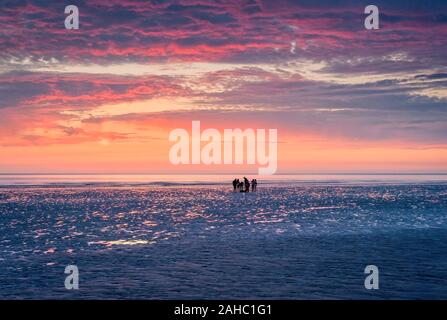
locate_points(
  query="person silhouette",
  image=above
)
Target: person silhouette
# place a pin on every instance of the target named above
(247, 185)
(253, 185)
(234, 185)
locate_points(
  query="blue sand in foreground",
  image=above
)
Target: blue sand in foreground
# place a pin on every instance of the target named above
(205, 242)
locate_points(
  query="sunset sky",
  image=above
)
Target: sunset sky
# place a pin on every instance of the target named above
(103, 99)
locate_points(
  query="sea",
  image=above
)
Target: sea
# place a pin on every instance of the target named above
(193, 237)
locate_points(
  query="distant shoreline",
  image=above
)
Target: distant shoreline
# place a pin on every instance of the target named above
(101, 180)
(229, 174)
(274, 184)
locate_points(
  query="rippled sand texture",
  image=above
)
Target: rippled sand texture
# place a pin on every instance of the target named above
(289, 242)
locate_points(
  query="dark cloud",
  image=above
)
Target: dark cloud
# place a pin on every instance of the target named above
(231, 29)
(434, 76)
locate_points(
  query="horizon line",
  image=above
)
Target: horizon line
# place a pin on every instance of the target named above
(229, 174)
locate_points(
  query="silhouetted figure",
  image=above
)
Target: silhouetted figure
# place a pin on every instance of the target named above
(247, 185)
(241, 186)
(234, 185)
(254, 184)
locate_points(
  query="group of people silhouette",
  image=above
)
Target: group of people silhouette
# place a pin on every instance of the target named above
(244, 185)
